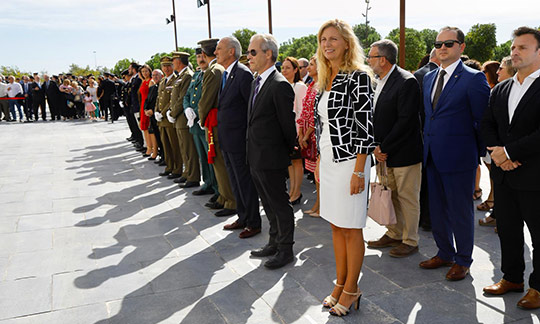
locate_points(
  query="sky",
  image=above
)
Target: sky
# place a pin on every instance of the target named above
(49, 35)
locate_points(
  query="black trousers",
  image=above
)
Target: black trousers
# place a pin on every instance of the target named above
(106, 106)
(245, 193)
(272, 188)
(134, 127)
(28, 107)
(39, 103)
(514, 208)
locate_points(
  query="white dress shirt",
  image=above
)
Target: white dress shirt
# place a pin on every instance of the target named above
(449, 71)
(265, 75)
(229, 69)
(13, 89)
(3, 90)
(380, 85)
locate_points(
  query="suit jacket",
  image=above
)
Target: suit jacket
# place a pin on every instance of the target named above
(150, 103)
(520, 137)
(177, 98)
(109, 88)
(451, 129)
(134, 85)
(232, 109)
(52, 91)
(271, 131)
(37, 94)
(164, 99)
(396, 119)
(419, 75)
(210, 89)
(191, 100)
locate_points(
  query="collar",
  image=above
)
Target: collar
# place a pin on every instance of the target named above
(134, 76)
(388, 74)
(229, 69)
(533, 75)
(267, 73)
(452, 67)
(212, 61)
(182, 70)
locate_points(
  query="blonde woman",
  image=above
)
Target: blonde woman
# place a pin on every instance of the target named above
(345, 135)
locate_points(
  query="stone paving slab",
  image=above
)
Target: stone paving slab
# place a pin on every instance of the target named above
(89, 233)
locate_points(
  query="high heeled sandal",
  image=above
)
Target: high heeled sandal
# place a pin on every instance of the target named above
(330, 301)
(340, 310)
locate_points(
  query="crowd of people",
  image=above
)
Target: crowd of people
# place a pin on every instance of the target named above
(238, 127)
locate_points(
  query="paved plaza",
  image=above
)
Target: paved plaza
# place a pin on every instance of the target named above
(89, 233)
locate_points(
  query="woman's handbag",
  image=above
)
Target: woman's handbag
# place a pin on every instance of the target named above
(310, 152)
(381, 209)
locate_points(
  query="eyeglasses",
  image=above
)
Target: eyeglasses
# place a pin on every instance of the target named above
(252, 52)
(448, 43)
(373, 56)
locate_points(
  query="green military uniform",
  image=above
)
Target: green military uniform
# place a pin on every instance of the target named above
(209, 100)
(173, 158)
(187, 147)
(191, 100)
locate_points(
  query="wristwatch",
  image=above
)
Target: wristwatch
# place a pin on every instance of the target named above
(359, 174)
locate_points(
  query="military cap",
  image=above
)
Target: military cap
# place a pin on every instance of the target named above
(198, 51)
(107, 74)
(209, 45)
(180, 54)
(166, 60)
(125, 72)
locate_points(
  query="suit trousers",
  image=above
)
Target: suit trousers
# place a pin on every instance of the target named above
(424, 201)
(514, 208)
(272, 188)
(405, 185)
(106, 106)
(451, 211)
(173, 158)
(192, 171)
(52, 108)
(4, 109)
(247, 200)
(209, 178)
(134, 127)
(28, 107)
(39, 103)
(226, 196)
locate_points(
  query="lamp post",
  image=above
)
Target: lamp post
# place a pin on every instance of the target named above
(270, 16)
(402, 33)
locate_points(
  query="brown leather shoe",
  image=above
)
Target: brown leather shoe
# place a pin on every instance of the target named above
(531, 300)
(457, 272)
(403, 250)
(384, 241)
(435, 263)
(233, 226)
(249, 232)
(502, 287)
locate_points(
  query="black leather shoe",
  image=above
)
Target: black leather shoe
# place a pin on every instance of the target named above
(225, 212)
(129, 139)
(267, 250)
(158, 161)
(164, 173)
(189, 184)
(180, 180)
(214, 198)
(202, 192)
(174, 176)
(214, 205)
(279, 260)
(162, 163)
(151, 159)
(146, 155)
(141, 149)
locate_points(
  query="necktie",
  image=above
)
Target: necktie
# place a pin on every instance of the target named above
(223, 80)
(438, 91)
(257, 84)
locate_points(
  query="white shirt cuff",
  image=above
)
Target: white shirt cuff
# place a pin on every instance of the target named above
(505, 152)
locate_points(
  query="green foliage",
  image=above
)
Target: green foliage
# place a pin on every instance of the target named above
(83, 71)
(121, 66)
(12, 70)
(298, 47)
(244, 36)
(481, 41)
(415, 46)
(429, 36)
(366, 35)
(154, 61)
(501, 50)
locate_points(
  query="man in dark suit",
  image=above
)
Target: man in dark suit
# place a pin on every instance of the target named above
(134, 106)
(38, 98)
(396, 126)
(425, 221)
(455, 97)
(27, 104)
(232, 125)
(510, 130)
(52, 94)
(271, 136)
(109, 90)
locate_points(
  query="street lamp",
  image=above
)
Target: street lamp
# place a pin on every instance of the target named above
(172, 19)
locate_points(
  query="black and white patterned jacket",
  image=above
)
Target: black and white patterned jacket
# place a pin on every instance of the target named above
(349, 116)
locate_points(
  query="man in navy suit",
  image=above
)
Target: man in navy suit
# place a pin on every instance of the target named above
(455, 98)
(232, 124)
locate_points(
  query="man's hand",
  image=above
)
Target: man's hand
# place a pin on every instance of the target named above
(497, 155)
(379, 155)
(509, 165)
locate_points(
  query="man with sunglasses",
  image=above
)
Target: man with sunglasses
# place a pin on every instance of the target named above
(455, 97)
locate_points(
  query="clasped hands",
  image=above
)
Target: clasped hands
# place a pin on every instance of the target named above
(379, 155)
(501, 160)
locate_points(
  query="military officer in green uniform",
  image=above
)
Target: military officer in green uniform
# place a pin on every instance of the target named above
(191, 111)
(192, 174)
(208, 102)
(173, 158)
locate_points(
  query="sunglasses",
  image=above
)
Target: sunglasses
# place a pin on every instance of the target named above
(252, 52)
(448, 43)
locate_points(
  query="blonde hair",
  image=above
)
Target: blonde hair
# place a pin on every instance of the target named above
(354, 56)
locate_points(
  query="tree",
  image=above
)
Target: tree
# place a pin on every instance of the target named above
(415, 46)
(244, 36)
(121, 66)
(192, 56)
(83, 71)
(481, 42)
(366, 35)
(298, 47)
(429, 36)
(155, 60)
(501, 51)
(12, 70)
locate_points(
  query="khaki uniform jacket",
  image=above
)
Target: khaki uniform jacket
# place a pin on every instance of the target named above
(210, 89)
(164, 99)
(177, 98)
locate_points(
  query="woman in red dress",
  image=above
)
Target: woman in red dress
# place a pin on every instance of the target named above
(150, 139)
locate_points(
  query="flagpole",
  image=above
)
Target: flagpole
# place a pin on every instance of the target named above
(209, 24)
(402, 33)
(175, 33)
(270, 16)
